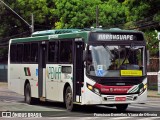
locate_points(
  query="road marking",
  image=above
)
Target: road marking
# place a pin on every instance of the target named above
(139, 107)
(120, 118)
(149, 118)
(58, 118)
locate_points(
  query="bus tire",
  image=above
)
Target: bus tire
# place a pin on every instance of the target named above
(69, 99)
(121, 107)
(27, 94)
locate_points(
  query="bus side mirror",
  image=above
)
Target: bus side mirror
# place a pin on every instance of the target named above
(148, 61)
(84, 55)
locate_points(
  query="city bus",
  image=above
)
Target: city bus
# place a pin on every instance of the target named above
(80, 67)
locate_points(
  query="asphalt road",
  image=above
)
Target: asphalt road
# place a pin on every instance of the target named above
(10, 101)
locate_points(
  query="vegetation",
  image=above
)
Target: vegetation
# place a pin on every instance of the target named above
(142, 15)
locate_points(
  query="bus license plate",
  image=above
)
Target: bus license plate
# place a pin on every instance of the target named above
(120, 99)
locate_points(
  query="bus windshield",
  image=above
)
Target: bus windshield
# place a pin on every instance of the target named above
(115, 60)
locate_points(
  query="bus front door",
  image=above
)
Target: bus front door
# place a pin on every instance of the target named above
(78, 78)
(41, 70)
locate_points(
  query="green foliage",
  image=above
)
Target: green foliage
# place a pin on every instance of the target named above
(152, 42)
(128, 14)
(80, 14)
(37, 7)
(112, 14)
(75, 13)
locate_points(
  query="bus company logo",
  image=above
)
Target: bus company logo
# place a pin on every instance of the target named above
(27, 71)
(115, 89)
(54, 73)
(111, 89)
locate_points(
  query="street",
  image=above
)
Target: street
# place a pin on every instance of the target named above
(10, 101)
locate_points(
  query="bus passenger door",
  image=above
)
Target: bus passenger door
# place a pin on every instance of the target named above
(78, 78)
(42, 70)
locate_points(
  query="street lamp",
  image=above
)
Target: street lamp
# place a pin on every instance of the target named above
(30, 26)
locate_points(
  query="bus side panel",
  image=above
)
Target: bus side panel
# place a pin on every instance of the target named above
(15, 83)
(143, 97)
(88, 97)
(66, 77)
(30, 72)
(53, 75)
(56, 80)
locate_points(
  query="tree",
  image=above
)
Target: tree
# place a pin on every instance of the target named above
(43, 11)
(142, 14)
(112, 14)
(152, 42)
(75, 13)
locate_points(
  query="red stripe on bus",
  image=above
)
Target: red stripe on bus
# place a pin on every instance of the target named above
(112, 89)
(28, 70)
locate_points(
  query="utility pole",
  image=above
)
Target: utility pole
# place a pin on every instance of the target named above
(30, 26)
(97, 15)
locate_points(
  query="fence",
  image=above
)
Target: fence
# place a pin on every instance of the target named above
(3, 73)
(152, 73)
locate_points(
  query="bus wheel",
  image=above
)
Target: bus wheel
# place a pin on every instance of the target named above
(27, 94)
(121, 107)
(69, 99)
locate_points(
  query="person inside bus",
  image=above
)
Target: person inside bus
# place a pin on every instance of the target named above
(130, 60)
(89, 62)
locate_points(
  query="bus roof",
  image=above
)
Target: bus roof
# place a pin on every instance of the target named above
(51, 32)
(68, 33)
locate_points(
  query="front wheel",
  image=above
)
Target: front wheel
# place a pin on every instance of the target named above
(69, 99)
(121, 107)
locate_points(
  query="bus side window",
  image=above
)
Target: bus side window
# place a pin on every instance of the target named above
(66, 51)
(26, 55)
(13, 53)
(52, 50)
(19, 53)
(34, 52)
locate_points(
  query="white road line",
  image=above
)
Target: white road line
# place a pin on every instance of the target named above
(139, 107)
(58, 118)
(149, 118)
(119, 118)
(144, 105)
(87, 118)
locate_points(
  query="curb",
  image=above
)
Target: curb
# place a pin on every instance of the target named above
(158, 96)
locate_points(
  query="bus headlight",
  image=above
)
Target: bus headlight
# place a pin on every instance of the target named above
(93, 89)
(145, 86)
(142, 89)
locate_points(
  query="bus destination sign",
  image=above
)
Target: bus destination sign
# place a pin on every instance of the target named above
(115, 37)
(102, 37)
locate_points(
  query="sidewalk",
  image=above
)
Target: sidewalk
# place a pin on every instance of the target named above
(3, 84)
(151, 93)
